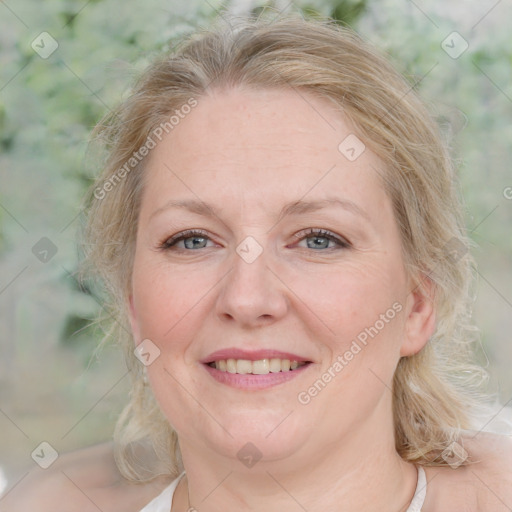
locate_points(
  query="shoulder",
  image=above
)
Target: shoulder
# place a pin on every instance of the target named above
(492, 471)
(83, 480)
(482, 485)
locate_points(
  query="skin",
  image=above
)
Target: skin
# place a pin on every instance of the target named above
(248, 153)
(235, 151)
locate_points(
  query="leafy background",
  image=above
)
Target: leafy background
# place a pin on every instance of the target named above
(52, 387)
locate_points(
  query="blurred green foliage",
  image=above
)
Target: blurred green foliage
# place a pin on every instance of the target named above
(49, 383)
(48, 107)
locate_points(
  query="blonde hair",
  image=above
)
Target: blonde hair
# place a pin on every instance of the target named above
(435, 390)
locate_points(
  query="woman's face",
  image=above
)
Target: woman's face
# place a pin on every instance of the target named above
(257, 173)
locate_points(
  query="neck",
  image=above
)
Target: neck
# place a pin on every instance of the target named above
(359, 472)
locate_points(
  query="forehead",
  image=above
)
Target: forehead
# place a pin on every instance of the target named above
(264, 146)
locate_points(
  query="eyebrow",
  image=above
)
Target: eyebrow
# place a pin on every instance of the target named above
(292, 208)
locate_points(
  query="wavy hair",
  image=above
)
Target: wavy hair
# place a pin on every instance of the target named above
(435, 391)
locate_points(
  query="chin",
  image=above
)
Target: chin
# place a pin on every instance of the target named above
(266, 439)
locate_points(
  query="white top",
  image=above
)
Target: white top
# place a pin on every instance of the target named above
(420, 493)
(163, 502)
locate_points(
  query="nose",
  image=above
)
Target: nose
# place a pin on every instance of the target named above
(251, 294)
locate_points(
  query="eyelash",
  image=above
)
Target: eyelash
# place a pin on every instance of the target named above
(168, 243)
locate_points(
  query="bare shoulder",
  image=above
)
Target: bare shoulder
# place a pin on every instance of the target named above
(492, 471)
(483, 485)
(83, 480)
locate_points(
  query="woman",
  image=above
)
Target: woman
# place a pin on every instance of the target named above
(278, 227)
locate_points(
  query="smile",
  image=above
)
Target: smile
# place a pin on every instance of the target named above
(259, 367)
(255, 375)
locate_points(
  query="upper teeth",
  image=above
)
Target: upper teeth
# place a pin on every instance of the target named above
(259, 367)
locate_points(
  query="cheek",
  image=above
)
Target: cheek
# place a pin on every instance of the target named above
(167, 302)
(365, 309)
(352, 297)
(163, 297)
(363, 306)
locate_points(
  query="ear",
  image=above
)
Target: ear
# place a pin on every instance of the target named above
(133, 320)
(420, 321)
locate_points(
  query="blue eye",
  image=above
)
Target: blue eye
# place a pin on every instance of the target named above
(321, 238)
(196, 239)
(191, 234)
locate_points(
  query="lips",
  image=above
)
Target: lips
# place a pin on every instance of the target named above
(256, 355)
(256, 370)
